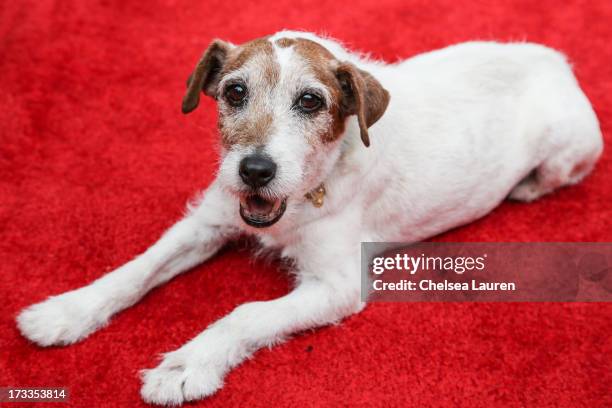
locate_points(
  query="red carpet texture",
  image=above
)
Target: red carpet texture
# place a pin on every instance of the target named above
(96, 161)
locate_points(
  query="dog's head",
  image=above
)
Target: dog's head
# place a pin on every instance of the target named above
(283, 104)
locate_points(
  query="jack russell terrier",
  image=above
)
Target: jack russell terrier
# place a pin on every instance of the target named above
(453, 133)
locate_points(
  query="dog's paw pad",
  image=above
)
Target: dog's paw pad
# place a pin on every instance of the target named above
(57, 321)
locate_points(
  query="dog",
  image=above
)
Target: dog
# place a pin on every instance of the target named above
(451, 134)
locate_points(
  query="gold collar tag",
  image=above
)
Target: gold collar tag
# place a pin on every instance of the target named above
(316, 196)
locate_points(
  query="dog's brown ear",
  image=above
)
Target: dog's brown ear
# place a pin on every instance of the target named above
(363, 96)
(205, 77)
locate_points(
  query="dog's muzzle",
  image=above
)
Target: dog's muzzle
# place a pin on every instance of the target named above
(256, 171)
(260, 212)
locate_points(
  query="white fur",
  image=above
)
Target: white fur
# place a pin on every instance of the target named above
(465, 127)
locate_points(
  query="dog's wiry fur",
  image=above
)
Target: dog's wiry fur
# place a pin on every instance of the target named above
(453, 133)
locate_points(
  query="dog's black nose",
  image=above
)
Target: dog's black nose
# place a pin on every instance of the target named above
(257, 170)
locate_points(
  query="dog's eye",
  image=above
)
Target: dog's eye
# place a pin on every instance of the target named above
(309, 102)
(235, 94)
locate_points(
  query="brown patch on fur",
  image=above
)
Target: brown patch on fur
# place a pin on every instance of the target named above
(338, 125)
(322, 63)
(353, 91)
(255, 128)
(252, 131)
(312, 51)
(258, 47)
(219, 59)
(285, 42)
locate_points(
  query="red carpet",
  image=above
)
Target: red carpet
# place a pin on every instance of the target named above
(96, 161)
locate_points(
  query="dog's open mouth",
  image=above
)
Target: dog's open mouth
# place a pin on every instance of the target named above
(260, 212)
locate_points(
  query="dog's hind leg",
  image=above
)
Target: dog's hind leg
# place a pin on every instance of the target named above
(561, 170)
(569, 138)
(71, 316)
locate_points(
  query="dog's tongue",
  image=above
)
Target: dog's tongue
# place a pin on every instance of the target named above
(258, 205)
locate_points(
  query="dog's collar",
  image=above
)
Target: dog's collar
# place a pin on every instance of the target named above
(316, 196)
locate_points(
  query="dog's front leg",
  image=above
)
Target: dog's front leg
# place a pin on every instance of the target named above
(70, 317)
(328, 290)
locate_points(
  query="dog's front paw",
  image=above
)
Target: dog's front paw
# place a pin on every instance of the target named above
(59, 320)
(181, 376)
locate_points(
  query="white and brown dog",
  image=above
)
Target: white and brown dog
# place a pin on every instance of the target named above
(453, 133)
